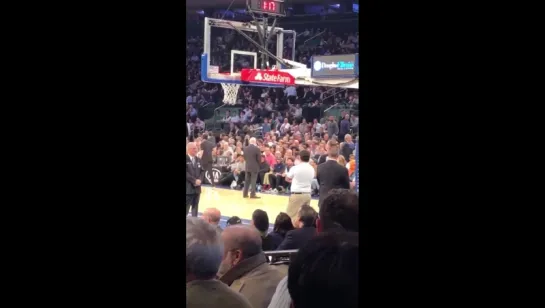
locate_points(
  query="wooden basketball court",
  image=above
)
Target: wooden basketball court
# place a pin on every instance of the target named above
(230, 203)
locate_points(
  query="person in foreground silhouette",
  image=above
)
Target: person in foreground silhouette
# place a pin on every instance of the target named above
(324, 273)
(245, 268)
(203, 257)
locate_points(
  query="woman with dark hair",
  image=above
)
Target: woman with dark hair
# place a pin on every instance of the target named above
(282, 225)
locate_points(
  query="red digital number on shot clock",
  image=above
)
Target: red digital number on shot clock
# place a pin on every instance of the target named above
(269, 6)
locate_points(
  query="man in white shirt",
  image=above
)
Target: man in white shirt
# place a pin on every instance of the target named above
(235, 119)
(285, 128)
(298, 111)
(301, 177)
(290, 92)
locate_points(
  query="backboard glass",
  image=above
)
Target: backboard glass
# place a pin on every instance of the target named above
(222, 60)
(226, 61)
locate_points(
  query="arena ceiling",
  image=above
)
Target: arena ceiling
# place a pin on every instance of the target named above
(223, 4)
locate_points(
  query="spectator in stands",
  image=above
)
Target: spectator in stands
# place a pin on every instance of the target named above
(290, 162)
(245, 268)
(285, 127)
(266, 127)
(323, 158)
(192, 112)
(260, 220)
(291, 93)
(212, 216)
(330, 174)
(345, 126)
(282, 225)
(276, 180)
(264, 168)
(269, 156)
(237, 168)
(203, 257)
(332, 127)
(354, 122)
(324, 273)
(199, 125)
(235, 220)
(226, 119)
(305, 229)
(347, 147)
(339, 210)
(341, 161)
(226, 152)
(351, 165)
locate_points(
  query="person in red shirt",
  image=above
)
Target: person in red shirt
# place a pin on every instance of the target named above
(269, 157)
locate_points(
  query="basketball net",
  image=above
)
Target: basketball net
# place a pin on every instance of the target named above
(230, 91)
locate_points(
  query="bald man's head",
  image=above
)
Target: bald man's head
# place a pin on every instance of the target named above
(241, 242)
(212, 216)
(252, 140)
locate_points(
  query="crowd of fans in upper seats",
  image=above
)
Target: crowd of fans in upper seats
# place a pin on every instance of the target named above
(234, 267)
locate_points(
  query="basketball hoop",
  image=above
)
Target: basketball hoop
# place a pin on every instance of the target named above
(230, 91)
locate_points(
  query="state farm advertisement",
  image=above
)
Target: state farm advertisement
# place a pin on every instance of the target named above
(264, 76)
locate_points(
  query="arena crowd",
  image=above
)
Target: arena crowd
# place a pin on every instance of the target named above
(310, 261)
(233, 267)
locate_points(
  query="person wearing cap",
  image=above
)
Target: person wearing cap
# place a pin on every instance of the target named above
(235, 220)
(301, 177)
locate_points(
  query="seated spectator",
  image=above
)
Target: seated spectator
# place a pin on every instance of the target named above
(199, 125)
(339, 210)
(212, 216)
(260, 220)
(341, 161)
(347, 147)
(264, 168)
(282, 225)
(285, 127)
(245, 268)
(305, 225)
(235, 220)
(324, 273)
(238, 173)
(276, 180)
(351, 165)
(203, 258)
(266, 127)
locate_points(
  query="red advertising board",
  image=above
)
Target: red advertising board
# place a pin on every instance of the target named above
(265, 76)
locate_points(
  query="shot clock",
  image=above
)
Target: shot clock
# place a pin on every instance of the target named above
(270, 7)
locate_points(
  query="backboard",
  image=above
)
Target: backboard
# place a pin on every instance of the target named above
(228, 65)
(228, 70)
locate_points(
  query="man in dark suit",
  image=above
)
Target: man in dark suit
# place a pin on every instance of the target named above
(252, 156)
(331, 174)
(193, 179)
(306, 229)
(207, 146)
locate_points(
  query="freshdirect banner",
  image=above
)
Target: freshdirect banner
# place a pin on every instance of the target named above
(340, 66)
